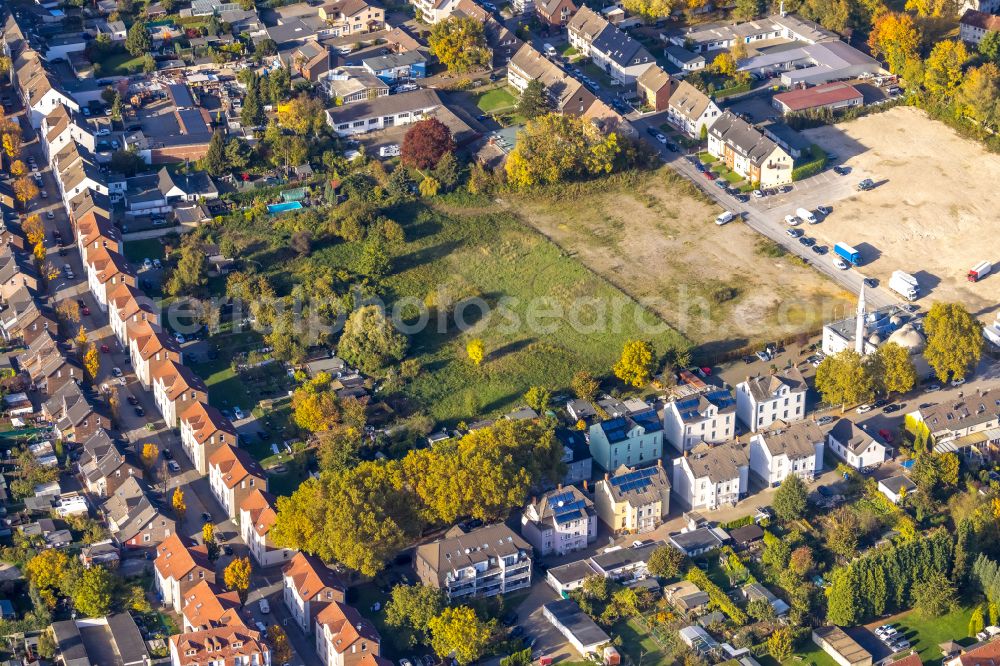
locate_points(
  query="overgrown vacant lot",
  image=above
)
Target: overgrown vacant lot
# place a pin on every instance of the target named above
(568, 319)
(934, 212)
(655, 238)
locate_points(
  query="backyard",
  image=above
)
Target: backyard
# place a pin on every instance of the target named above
(120, 63)
(496, 100)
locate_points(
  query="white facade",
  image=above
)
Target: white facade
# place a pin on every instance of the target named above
(700, 489)
(853, 446)
(774, 463)
(262, 554)
(47, 104)
(760, 401)
(706, 424)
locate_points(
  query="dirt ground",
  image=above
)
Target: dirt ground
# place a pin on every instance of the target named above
(656, 240)
(933, 212)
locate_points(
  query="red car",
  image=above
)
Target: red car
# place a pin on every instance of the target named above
(709, 175)
(86, 311)
(886, 435)
(707, 371)
(105, 349)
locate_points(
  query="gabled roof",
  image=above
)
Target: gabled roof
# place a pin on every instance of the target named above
(127, 300)
(220, 644)
(260, 506)
(971, 410)
(654, 78)
(459, 549)
(766, 387)
(743, 137)
(549, 7)
(176, 557)
(587, 23)
(93, 226)
(852, 436)
(719, 463)
(689, 101)
(567, 94)
(107, 264)
(346, 626)
(977, 19)
(205, 421)
(619, 47)
(206, 606)
(797, 440)
(235, 465)
(309, 576)
(176, 378)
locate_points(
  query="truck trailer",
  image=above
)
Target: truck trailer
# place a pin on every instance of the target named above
(905, 285)
(848, 253)
(979, 271)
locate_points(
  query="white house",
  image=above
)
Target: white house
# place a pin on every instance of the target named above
(896, 487)
(690, 110)
(61, 127)
(855, 445)
(106, 269)
(381, 112)
(204, 430)
(175, 388)
(704, 417)
(560, 522)
(782, 451)
(233, 475)
(310, 586)
(39, 90)
(620, 55)
(709, 477)
(762, 400)
(257, 516)
(583, 29)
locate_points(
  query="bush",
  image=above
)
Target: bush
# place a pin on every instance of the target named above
(816, 163)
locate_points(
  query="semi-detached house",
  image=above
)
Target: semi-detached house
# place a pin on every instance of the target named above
(561, 521)
(128, 306)
(204, 430)
(310, 586)
(620, 55)
(180, 566)
(855, 445)
(134, 521)
(782, 451)
(745, 150)
(633, 501)
(762, 400)
(584, 28)
(206, 606)
(228, 645)
(690, 110)
(566, 94)
(633, 439)
(232, 475)
(257, 516)
(105, 270)
(969, 425)
(62, 127)
(175, 388)
(709, 477)
(345, 638)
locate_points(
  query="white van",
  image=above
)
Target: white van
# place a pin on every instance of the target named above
(725, 218)
(549, 50)
(806, 215)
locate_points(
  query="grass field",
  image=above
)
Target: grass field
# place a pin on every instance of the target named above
(120, 63)
(638, 645)
(137, 250)
(926, 634)
(529, 286)
(498, 99)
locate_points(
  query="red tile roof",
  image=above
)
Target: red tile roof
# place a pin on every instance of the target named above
(310, 576)
(809, 98)
(221, 645)
(175, 557)
(205, 421)
(206, 606)
(235, 465)
(261, 509)
(985, 655)
(977, 19)
(347, 627)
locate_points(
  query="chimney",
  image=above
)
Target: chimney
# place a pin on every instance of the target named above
(585, 486)
(559, 487)
(659, 463)
(607, 477)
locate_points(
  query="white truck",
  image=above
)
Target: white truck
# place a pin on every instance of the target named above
(905, 285)
(807, 215)
(979, 271)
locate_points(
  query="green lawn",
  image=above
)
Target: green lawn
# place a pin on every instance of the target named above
(137, 250)
(225, 389)
(498, 99)
(598, 74)
(707, 158)
(528, 339)
(733, 177)
(926, 634)
(120, 63)
(286, 483)
(638, 645)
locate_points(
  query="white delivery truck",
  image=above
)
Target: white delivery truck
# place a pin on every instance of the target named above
(979, 271)
(807, 215)
(905, 285)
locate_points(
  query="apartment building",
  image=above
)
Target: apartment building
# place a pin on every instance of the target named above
(483, 562)
(633, 501)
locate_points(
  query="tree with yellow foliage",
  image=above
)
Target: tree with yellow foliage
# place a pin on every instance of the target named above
(303, 115)
(68, 311)
(177, 501)
(894, 36)
(18, 169)
(460, 44)
(724, 64)
(237, 576)
(149, 453)
(649, 10)
(554, 148)
(978, 96)
(92, 361)
(34, 229)
(208, 533)
(943, 68)
(475, 351)
(25, 189)
(12, 143)
(932, 8)
(81, 338)
(314, 405)
(635, 366)
(39, 252)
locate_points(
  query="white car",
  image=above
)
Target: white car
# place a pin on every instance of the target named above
(757, 194)
(104, 131)
(264, 606)
(147, 263)
(238, 413)
(116, 372)
(725, 218)
(173, 466)
(49, 215)
(957, 382)
(793, 221)
(392, 150)
(863, 409)
(841, 264)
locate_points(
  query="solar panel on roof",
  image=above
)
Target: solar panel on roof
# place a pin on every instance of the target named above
(561, 498)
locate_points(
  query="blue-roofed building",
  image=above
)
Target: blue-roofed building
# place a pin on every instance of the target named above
(396, 66)
(576, 455)
(633, 500)
(631, 440)
(561, 521)
(622, 56)
(709, 416)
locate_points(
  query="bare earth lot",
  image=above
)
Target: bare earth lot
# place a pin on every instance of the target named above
(658, 242)
(934, 212)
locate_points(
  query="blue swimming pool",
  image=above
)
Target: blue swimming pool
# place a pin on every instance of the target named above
(283, 207)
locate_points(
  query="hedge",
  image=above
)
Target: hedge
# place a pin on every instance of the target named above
(728, 92)
(739, 522)
(716, 596)
(813, 167)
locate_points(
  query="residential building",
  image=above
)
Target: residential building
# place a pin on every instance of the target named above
(134, 521)
(560, 522)
(104, 467)
(206, 606)
(175, 389)
(636, 439)
(94, 230)
(229, 644)
(148, 346)
(684, 60)
(969, 425)
(204, 430)
(708, 416)
(854, 445)
(691, 111)
(393, 67)
(310, 586)
(831, 96)
(73, 417)
(785, 450)
(576, 456)
(40, 89)
(987, 6)
(379, 113)
(978, 654)
(483, 562)
(576, 626)
(178, 568)
(762, 400)
(654, 87)
(257, 516)
(556, 13)
(698, 541)
(620, 55)
(710, 477)
(345, 638)
(633, 501)
(896, 487)
(351, 17)
(565, 93)
(233, 474)
(311, 60)
(128, 306)
(62, 127)
(745, 150)
(584, 28)
(347, 85)
(105, 270)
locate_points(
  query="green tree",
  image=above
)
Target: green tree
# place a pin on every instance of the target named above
(989, 47)
(584, 385)
(845, 378)
(281, 649)
(47, 646)
(761, 610)
(538, 398)
(842, 533)
(374, 261)
(954, 340)
(666, 562)
(934, 596)
(893, 368)
(460, 44)
(252, 114)
(116, 107)
(457, 630)
(190, 274)
(843, 604)
(94, 592)
(943, 73)
(370, 341)
(148, 64)
(791, 500)
(554, 148)
(779, 644)
(635, 366)
(977, 622)
(411, 609)
(747, 10)
(214, 161)
(534, 100)
(137, 40)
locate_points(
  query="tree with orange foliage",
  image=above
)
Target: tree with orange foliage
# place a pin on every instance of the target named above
(25, 189)
(895, 37)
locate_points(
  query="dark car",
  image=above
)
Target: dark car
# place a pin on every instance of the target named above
(808, 242)
(841, 170)
(652, 131)
(227, 549)
(139, 411)
(871, 282)
(167, 454)
(81, 302)
(132, 400)
(206, 517)
(866, 185)
(672, 147)
(889, 409)
(743, 198)
(62, 252)
(881, 402)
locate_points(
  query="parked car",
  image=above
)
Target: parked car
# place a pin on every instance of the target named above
(173, 466)
(890, 409)
(116, 371)
(264, 606)
(863, 409)
(823, 420)
(757, 194)
(238, 413)
(824, 210)
(793, 221)
(958, 382)
(820, 249)
(866, 185)
(49, 215)
(841, 170)
(807, 241)
(794, 233)
(139, 411)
